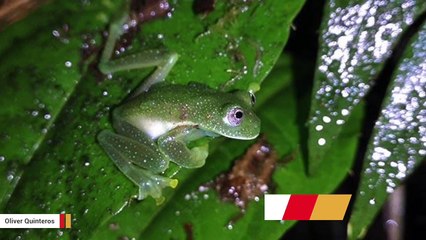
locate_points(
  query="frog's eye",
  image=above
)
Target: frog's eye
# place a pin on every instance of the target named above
(252, 98)
(235, 116)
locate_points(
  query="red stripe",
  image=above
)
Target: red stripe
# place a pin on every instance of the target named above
(61, 220)
(300, 207)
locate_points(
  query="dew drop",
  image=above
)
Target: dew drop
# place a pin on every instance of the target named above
(321, 141)
(402, 167)
(202, 188)
(340, 121)
(187, 196)
(381, 153)
(10, 177)
(391, 223)
(400, 175)
(56, 33)
(344, 93)
(230, 226)
(326, 119)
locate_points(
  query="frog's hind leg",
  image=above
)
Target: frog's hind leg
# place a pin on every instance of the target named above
(162, 59)
(125, 152)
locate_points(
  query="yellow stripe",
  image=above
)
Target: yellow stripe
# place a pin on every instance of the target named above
(67, 220)
(330, 207)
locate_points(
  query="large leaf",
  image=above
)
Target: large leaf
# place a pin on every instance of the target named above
(357, 38)
(37, 77)
(53, 108)
(399, 137)
(205, 215)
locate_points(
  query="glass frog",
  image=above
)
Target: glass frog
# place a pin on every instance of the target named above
(161, 119)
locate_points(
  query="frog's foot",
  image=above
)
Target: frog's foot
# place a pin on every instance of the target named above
(199, 155)
(151, 185)
(174, 145)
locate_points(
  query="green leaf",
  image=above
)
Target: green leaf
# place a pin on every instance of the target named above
(398, 143)
(38, 75)
(205, 214)
(54, 107)
(357, 37)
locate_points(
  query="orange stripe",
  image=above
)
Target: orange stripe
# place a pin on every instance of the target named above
(330, 207)
(68, 221)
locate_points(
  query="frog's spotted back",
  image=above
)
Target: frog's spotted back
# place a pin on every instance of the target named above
(227, 114)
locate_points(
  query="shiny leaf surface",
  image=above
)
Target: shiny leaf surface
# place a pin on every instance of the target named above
(398, 143)
(357, 38)
(64, 169)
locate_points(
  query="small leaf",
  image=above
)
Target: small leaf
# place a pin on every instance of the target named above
(357, 38)
(398, 144)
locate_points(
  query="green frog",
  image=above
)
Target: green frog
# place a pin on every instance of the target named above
(161, 119)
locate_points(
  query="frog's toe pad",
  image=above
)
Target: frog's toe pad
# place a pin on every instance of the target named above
(173, 183)
(153, 185)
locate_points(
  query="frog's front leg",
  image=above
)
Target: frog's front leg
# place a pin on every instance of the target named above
(139, 159)
(162, 59)
(174, 145)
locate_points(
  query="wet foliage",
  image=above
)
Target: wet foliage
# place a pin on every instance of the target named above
(54, 102)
